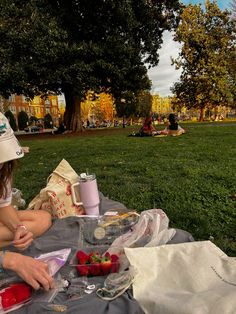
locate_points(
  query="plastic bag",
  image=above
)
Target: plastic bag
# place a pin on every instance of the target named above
(17, 201)
(116, 284)
(55, 260)
(150, 230)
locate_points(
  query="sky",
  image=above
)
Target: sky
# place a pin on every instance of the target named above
(164, 75)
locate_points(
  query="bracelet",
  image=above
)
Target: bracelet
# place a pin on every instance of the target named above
(1, 260)
(20, 226)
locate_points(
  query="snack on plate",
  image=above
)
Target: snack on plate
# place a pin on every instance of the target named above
(103, 230)
(119, 222)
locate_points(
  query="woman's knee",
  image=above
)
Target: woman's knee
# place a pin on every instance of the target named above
(42, 223)
(45, 219)
(39, 220)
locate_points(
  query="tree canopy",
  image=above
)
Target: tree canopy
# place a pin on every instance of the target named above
(75, 46)
(208, 38)
(11, 119)
(23, 120)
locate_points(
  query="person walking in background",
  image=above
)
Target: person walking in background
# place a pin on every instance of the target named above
(18, 228)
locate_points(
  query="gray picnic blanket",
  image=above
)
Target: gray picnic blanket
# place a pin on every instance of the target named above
(65, 233)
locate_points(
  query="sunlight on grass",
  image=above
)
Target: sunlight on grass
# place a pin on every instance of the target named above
(190, 177)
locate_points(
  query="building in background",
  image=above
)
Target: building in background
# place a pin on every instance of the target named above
(37, 107)
(96, 108)
(42, 106)
(161, 105)
(61, 105)
(16, 103)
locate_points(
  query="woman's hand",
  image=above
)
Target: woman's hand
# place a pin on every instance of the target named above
(32, 271)
(22, 238)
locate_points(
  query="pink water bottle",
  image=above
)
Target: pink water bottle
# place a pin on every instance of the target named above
(89, 195)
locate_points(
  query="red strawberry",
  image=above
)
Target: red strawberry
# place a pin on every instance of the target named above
(114, 258)
(21, 291)
(8, 298)
(95, 269)
(106, 264)
(94, 257)
(82, 257)
(107, 254)
(115, 263)
(83, 270)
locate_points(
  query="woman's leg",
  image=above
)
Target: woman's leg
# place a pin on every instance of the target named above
(36, 221)
(163, 132)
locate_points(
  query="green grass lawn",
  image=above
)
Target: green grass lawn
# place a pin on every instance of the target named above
(191, 177)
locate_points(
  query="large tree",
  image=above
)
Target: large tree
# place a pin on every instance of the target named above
(207, 37)
(74, 46)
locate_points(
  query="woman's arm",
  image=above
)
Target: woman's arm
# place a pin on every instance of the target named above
(34, 272)
(9, 217)
(21, 237)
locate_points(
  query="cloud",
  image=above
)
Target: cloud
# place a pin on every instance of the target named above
(164, 75)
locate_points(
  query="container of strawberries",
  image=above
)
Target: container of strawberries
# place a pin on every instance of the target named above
(95, 261)
(14, 296)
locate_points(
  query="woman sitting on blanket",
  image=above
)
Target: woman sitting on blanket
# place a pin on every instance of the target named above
(173, 128)
(18, 228)
(147, 129)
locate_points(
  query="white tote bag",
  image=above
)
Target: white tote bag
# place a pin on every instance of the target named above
(186, 278)
(56, 197)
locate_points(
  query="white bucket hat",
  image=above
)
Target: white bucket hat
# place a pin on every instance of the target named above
(9, 146)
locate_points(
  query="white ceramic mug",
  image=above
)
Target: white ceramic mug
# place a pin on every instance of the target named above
(89, 195)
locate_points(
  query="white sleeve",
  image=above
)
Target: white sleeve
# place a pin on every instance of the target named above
(6, 201)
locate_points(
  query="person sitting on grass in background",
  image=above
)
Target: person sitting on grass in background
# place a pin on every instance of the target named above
(61, 129)
(18, 228)
(147, 129)
(172, 128)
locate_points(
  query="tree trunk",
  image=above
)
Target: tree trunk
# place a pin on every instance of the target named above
(201, 118)
(72, 117)
(216, 112)
(123, 124)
